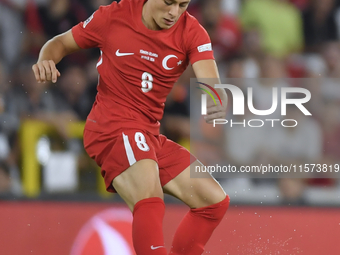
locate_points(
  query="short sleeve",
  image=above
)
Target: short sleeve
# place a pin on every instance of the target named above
(91, 33)
(198, 43)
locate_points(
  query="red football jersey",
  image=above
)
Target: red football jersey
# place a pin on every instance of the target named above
(138, 66)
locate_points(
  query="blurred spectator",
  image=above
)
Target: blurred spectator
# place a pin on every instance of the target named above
(299, 144)
(272, 73)
(236, 67)
(224, 30)
(9, 180)
(292, 190)
(300, 4)
(330, 123)
(272, 67)
(176, 121)
(330, 85)
(279, 23)
(295, 145)
(11, 30)
(8, 123)
(231, 7)
(4, 136)
(56, 17)
(295, 66)
(253, 49)
(315, 66)
(72, 95)
(92, 77)
(60, 15)
(331, 54)
(29, 100)
(4, 84)
(319, 24)
(5, 180)
(325, 67)
(331, 132)
(244, 144)
(9, 149)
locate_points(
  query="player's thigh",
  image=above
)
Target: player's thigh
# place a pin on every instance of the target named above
(128, 162)
(139, 181)
(195, 192)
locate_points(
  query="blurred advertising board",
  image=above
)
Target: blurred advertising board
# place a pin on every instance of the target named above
(77, 228)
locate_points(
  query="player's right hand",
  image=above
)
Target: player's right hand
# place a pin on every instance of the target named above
(45, 70)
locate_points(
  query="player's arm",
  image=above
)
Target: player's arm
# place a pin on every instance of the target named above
(51, 54)
(206, 70)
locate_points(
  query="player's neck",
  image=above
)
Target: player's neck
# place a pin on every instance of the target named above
(147, 19)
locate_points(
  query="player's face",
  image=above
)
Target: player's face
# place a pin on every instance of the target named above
(167, 12)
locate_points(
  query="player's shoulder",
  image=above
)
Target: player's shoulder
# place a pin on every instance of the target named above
(189, 18)
(190, 22)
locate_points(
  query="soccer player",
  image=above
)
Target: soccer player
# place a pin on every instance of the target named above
(145, 46)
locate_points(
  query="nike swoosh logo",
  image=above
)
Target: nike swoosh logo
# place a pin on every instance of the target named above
(118, 54)
(157, 247)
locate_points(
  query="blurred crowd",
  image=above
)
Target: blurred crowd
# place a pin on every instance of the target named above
(279, 39)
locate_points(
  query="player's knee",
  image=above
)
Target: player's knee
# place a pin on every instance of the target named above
(153, 189)
(136, 193)
(152, 192)
(139, 196)
(221, 207)
(216, 195)
(214, 212)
